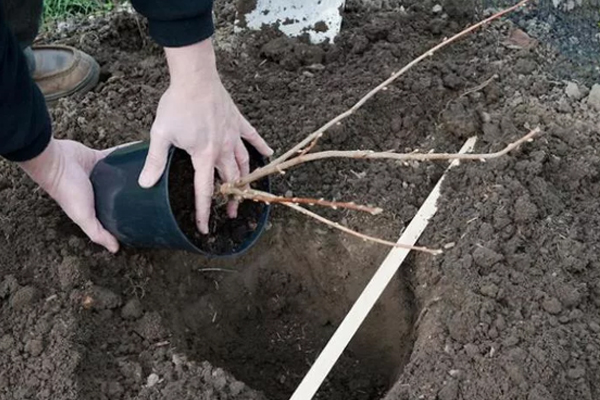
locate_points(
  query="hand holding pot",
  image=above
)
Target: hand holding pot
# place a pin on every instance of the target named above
(63, 171)
(197, 115)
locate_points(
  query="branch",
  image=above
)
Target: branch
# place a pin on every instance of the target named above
(371, 155)
(268, 198)
(358, 234)
(315, 135)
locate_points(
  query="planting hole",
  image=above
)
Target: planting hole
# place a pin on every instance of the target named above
(267, 321)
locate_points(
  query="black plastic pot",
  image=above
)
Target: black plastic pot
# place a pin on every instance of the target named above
(141, 217)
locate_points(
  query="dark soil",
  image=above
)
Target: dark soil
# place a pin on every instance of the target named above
(226, 235)
(509, 311)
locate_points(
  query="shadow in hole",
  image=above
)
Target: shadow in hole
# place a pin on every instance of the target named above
(267, 320)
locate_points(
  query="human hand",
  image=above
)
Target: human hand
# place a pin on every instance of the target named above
(197, 114)
(63, 170)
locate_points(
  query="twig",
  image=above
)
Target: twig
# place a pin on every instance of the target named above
(265, 197)
(298, 148)
(311, 145)
(425, 310)
(214, 270)
(467, 92)
(358, 234)
(480, 86)
(371, 155)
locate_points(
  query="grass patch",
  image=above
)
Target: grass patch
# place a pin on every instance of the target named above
(60, 9)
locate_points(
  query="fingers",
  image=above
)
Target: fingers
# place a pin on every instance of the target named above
(229, 172)
(97, 234)
(204, 186)
(85, 218)
(243, 161)
(156, 162)
(242, 158)
(250, 134)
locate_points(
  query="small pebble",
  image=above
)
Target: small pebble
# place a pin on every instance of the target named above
(593, 99)
(152, 380)
(573, 92)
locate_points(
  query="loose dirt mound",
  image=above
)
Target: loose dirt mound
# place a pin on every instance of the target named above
(509, 311)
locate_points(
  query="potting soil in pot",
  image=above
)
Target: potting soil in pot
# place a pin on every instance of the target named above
(226, 235)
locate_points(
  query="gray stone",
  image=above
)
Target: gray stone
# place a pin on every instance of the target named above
(593, 99)
(573, 92)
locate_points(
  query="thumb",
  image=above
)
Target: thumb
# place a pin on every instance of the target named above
(155, 162)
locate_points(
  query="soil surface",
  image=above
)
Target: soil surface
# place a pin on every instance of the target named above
(509, 311)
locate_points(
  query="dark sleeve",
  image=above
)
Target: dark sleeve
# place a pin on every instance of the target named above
(25, 128)
(177, 23)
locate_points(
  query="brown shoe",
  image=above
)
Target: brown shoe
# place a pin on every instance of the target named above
(61, 71)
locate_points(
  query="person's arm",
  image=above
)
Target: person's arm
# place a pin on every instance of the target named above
(60, 167)
(195, 113)
(177, 23)
(25, 128)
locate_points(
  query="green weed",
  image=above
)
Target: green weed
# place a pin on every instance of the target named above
(60, 9)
